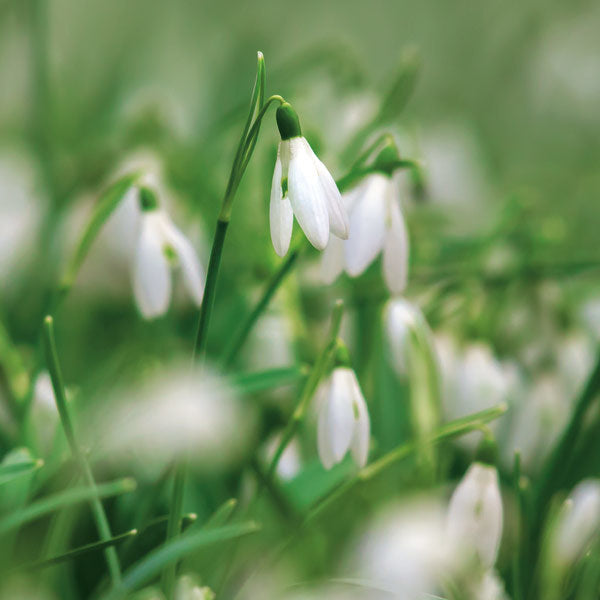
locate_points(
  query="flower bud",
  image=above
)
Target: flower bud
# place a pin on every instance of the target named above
(288, 122)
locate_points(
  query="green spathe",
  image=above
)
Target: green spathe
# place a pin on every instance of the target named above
(288, 122)
(387, 159)
(148, 199)
(487, 451)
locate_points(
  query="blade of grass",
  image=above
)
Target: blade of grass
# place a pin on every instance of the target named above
(173, 551)
(11, 471)
(57, 501)
(249, 383)
(63, 410)
(81, 550)
(222, 515)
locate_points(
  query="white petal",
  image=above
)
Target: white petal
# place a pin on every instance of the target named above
(307, 195)
(194, 277)
(332, 261)
(338, 219)
(151, 276)
(475, 514)
(280, 213)
(367, 225)
(336, 421)
(359, 445)
(395, 251)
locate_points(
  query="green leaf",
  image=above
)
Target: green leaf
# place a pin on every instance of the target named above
(57, 501)
(14, 466)
(173, 551)
(222, 515)
(93, 547)
(249, 383)
(104, 208)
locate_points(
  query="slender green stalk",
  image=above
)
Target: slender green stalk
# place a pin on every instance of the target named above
(318, 371)
(65, 417)
(555, 467)
(242, 158)
(517, 552)
(42, 507)
(174, 550)
(222, 515)
(241, 336)
(446, 432)
(93, 547)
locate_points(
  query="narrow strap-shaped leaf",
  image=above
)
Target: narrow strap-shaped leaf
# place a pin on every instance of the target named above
(11, 471)
(55, 502)
(173, 551)
(222, 515)
(71, 554)
(249, 383)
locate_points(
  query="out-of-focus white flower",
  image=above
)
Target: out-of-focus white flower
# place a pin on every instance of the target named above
(290, 462)
(175, 412)
(578, 522)
(160, 245)
(404, 550)
(188, 588)
(474, 380)
(536, 422)
(590, 313)
(474, 523)
(487, 586)
(575, 358)
(343, 422)
(376, 225)
(302, 186)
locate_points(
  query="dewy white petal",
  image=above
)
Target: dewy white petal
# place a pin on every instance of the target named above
(359, 446)
(332, 260)
(193, 274)
(281, 216)
(475, 515)
(395, 250)
(151, 276)
(307, 195)
(338, 219)
(367, 225)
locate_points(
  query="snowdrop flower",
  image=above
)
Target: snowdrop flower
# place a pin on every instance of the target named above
(343, 421)
(404, 550)
(376, 225)
(578, 522)
(302, 186)
(290, 462)
(160, 245)
(474, 522)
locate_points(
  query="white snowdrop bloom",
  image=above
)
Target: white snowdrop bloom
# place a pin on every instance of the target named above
(376, 225)
(590, 315)
(43, 413)
(474, 522)
(343, 421)
(488, 586)
(404, 550)
(578, 522)
(302, 186)
(173, 412)
(161, 245)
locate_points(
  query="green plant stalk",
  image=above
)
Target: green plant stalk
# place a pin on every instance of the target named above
(40, 508)
(174, 550)
(554, 469)
(517, 552)
(240, 338)
(65, 417)
(446, 432)
(318, 371)
(86, 549)
(242, 158)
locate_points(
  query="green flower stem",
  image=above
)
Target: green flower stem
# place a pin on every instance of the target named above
(319, 369)
(65, 417)
(449, 431)
(240, 163)
(71, 554)
(238, 340)
(557, 464)
(517, 593)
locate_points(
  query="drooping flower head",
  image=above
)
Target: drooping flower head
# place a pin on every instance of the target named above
(302, 186)
(161, 246)
(376, 226)
(343, 421)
